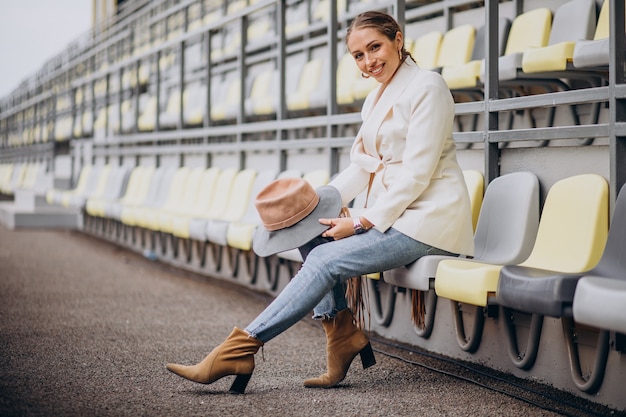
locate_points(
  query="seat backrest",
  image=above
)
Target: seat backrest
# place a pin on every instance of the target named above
(347, 73)
(223, 188)
(425, 49)
(574, 225)
(613, 261)
(475, 184)
(206, 189)
(456, 46)
(157, 189)
(310, 76)
(317, 177)
(574, 20)
(602, 27)
(504, 25)
(191, 188)
(508, 221)
(239, 195)
(263, 178)
(116, 182)
(136, 182)
(322, 9)
(529, 30)
(176, 188)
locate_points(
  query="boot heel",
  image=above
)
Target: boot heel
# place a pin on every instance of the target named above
(367, 356)
(240, 384)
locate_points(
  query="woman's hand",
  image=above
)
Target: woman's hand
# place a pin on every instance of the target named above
(339, 227)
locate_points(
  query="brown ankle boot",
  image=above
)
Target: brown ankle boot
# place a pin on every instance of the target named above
(235, 356)
(343, 342)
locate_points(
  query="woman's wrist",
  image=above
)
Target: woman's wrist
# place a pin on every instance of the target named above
(365, 223)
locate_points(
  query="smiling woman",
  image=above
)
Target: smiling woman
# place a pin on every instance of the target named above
(377, 46)
(405, 157)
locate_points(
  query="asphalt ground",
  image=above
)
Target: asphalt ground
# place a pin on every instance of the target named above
(87, 327)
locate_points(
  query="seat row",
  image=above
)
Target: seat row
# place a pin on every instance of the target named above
(204, 205)
(563, 262)
(26, 175)
(573, 39)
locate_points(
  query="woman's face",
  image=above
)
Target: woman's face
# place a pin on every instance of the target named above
(374, 53)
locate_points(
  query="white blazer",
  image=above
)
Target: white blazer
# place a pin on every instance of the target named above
(406, 141)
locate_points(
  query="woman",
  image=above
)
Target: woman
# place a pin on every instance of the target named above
(405, 157)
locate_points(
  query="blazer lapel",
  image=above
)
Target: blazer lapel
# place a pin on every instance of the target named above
(369, 129)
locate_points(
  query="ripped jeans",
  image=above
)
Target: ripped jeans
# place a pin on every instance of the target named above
(319, 285)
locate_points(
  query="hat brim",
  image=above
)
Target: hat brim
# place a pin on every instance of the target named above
(266, 243)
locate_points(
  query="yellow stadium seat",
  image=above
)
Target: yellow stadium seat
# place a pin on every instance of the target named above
(200, 205)
(528, 30)
(571, 235)
(595, 52)
(425, 49)
(236, 207)
(572, 21)
(456, 46)
(307, 84)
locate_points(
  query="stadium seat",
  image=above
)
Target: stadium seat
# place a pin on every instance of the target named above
(236, 206)
(167, 199)
(309, 82)
(456, 47)
(95, 188)
(571, 237)
(99, 124)
(296, 21)
(321, 12)
(168, 119)
(262, 99)
(467, 75)
(425, 49)
(133, 195)
(116, 184)
(528, 30)
(600, 294)
(239, 232)
(181, 201)
(56, 196)
(573, 21)
(227, 100)
(505, 232)
(217, 205)
(475, 183)
(129, 118)
(147, 119)
(6, 172)
(595, 52)
(194, 104)
(149, 195)
(200, 205)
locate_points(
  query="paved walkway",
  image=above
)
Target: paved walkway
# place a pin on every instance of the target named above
(86, 330)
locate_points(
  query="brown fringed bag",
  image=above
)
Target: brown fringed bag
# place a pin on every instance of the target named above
(357, 295)
(418, 308)
(357, 291)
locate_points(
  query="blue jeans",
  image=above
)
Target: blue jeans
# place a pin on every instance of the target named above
(319, 285)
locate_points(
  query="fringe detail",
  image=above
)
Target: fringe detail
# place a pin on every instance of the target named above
(418, 308)
(357, 298)
(357, 291)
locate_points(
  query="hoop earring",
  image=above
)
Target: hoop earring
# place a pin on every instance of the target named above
(400, 54)
(364, 75)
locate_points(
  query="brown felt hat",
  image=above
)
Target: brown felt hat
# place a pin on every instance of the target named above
(290, 210)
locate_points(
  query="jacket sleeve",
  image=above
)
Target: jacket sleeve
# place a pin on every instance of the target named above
(350, 182)
(430, 125)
